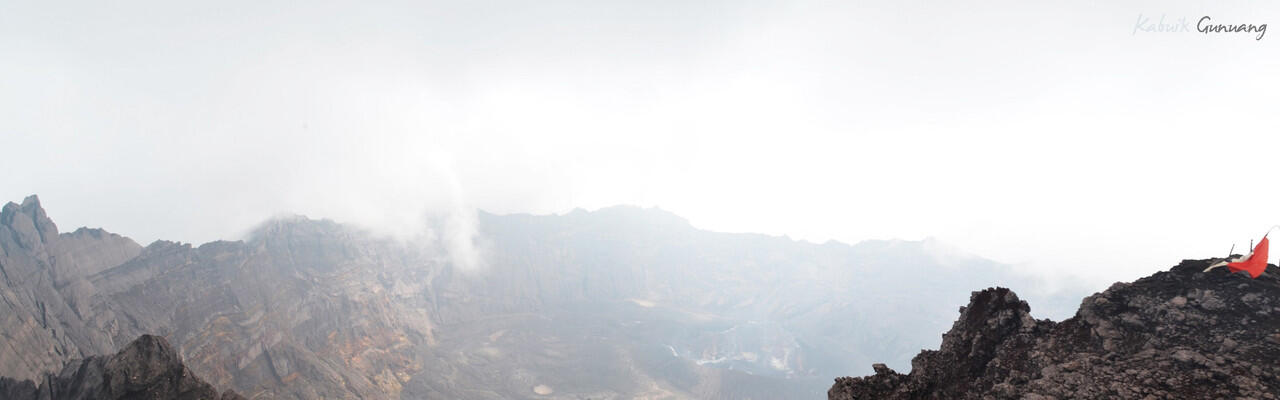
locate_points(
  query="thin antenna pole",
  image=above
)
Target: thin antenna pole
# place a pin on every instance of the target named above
(1272, 228)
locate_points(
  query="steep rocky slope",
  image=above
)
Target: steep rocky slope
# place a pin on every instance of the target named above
(618, 303)
(146, 369)
(1181, 333)
(46, 299)
(303, 309)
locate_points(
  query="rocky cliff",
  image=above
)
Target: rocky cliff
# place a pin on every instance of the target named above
(621, 302)
(147, 369)
(303, 309)
(1181, 333)
(47, 301)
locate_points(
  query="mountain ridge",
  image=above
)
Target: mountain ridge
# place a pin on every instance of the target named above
(306, 308)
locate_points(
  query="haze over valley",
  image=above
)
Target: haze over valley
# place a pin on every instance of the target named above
(622, 302)
(611, 199)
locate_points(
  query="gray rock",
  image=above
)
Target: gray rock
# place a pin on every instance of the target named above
(588, 304)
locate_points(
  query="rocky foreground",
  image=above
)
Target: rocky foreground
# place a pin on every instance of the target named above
(1181, 333)
(147, 369)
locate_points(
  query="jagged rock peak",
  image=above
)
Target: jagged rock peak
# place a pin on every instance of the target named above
(28, 223)
(992, 316)
(30, 206)
(147, 369)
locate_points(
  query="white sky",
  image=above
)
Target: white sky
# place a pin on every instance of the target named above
(1045, 134)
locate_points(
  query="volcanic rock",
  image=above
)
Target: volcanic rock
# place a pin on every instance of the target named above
(147, 369)
(1181, 333)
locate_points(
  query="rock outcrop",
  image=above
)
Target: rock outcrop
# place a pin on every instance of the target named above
(147, 369)
(1181, 333)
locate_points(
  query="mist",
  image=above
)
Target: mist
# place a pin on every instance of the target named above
(618, 199)
(1057, 138)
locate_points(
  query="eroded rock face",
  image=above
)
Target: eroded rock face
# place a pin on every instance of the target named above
(1180, 333)
(301, 310)
(46, 309)
(616, 303)
(147, 369)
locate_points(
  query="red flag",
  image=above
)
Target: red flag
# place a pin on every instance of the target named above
(1256, 263)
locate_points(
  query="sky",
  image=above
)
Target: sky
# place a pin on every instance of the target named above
(1061, 137)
